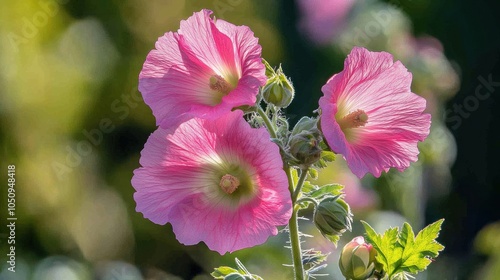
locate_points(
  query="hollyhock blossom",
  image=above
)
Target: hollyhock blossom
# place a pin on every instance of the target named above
(370, 116)
(322, 20)
(218, 181)
(204, 70)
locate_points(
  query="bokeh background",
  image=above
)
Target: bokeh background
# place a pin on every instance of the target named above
(74, 123)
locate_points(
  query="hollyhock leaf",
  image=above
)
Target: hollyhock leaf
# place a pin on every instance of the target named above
(370, 116)
(388, 249)
(327, 190)
(308, 187)
(295, 175)
(328, 156)
(401, 253)
(204, 70)
(217, 181)
(313, 173)
(420, 250)
(222, 271)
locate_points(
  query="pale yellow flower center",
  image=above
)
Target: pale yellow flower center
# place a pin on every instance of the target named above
(219, 84)
(354, 119)
(228, 183)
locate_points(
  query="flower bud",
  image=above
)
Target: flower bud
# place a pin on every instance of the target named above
(308, 124)
(333, 217)
(357, 260)
(278, 90)
(305, 148)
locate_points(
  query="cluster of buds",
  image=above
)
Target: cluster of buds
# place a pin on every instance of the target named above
(357, 260)
(333, 217)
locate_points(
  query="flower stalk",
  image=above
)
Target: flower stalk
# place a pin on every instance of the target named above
(293, 227)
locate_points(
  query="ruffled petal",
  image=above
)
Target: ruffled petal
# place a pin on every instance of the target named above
(225, 230)
(213, 47)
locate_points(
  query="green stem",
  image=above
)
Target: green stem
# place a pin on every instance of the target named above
(293, 226)
(293, 230)
(300, 183)
(267, 121)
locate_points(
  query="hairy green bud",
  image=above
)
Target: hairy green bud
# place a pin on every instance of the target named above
(333, 217)
(278, 90)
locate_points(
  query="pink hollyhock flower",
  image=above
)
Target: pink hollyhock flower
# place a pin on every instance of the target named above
(370, 116)
(205, 69)
(322, 20)
(218, 181)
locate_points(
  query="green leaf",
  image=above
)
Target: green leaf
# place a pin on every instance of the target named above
(419, 252)
(389, 251)
(401, 253)
(222, 271)
(313, 173)
(242, 273)
(329, 189)
(328, 156)
(308, 187)
(295, 175)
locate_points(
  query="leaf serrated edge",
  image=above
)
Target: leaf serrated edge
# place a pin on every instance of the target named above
(374, 239)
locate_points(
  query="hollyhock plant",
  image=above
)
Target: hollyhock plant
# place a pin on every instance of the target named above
(203, 70)
(226, 168)
(220, 182)
(370, 116)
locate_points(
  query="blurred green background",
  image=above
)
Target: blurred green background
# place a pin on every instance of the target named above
(73, 123)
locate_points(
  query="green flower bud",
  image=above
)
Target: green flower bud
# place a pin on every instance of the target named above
(357, 260)
(306, 123)
(278, 90)
(333, 217)
(305, 148)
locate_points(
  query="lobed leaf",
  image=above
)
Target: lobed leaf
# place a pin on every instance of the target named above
(327, 190)
(401, 253)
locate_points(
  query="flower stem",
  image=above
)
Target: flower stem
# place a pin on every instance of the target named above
(267, 121)
(293, 228)
(300, 183)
